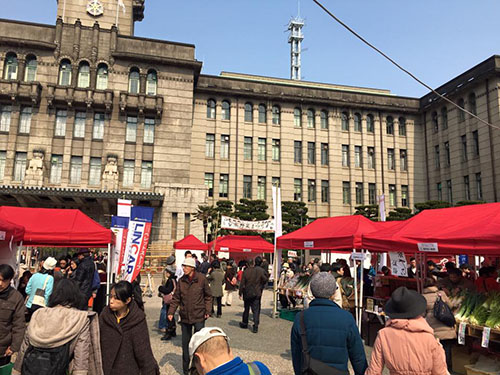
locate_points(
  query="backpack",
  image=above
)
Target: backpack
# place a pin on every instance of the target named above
(443, 313)
(44, 361)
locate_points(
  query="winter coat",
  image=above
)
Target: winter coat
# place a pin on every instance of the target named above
(36, 282)
(463, 284)
(12, 320)
(441, 331)
(487, 284)
(238, 367)
(168, 287)
(85, 276)
(228, 276)
(216, 279)
(252, 282)
(407, 347)
(193, 298)
(332, 337)
(126, 348)
(56, 326)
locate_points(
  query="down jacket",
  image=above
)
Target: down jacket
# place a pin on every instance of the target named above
(12, 320)
(441, 331)
(407, 347)
(332, 337)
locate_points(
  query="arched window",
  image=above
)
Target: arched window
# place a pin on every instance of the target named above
(311, 118)
(84, 75)
(357, 122)
(389, 123)
(151, 82)
(324, 119)
(472, 103)
(344, 118)
(248, 112)
(276, 115)
(134, 81)
(402, 126)
(30, 72)
(434, 119)
(226, 110)
(444, 117)
(211, 108)
(461, 114)
(102, 77)
(297, 117)
(11, 66)
(262, 114)
(65, 73)
(370, 126)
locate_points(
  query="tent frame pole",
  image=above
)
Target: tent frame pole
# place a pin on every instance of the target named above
(108, 274)
(356, 310)
(361, 281)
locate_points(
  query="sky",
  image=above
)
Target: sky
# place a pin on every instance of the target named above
(434, 39)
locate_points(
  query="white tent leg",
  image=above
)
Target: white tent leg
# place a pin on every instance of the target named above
(356, 310)
(360, 304)
(108, 273)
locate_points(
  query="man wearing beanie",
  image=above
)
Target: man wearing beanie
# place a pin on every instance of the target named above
(331, 335)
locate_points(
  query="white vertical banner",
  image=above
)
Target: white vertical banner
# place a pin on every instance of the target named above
(278, 231)
(381, 207)
(124, 207)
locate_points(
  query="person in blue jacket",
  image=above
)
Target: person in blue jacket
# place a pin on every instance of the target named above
(211, 355)
(331, 333)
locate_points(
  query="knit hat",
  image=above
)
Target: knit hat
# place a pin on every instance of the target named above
(171, 269)
(170, 260)
(323, 285)
(50, 263)
(189, 262)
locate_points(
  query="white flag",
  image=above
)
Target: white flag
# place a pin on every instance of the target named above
(121, 5)
(381, 207)
(278, 224)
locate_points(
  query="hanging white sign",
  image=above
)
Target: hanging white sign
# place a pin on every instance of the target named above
(399, 267)
(255, 226)
(428, 247)
(308, 244)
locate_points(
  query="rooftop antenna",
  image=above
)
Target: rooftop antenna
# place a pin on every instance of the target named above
(295, 39)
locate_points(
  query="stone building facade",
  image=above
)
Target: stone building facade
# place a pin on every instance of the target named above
(90, 113)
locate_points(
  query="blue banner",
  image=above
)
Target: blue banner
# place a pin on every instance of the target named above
(144, 214)
(119, 222)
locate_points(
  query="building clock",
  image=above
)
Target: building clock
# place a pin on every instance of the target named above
(95, 8)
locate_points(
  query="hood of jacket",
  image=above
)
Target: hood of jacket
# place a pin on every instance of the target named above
(411, 325)
(55, 326)
(135, 316)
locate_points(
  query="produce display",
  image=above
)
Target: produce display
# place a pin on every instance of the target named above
(298, 283)
(478, 309)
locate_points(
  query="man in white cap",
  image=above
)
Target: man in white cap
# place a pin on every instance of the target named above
(194, 298)
(210, 354)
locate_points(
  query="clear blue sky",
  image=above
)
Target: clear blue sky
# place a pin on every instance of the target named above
(435, 39)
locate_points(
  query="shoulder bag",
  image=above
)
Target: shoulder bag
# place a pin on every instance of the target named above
(39, 298)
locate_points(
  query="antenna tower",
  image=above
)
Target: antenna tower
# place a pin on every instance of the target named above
(295, 39)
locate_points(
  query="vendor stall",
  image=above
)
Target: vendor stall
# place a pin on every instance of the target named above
(190, 243)
(240, 247)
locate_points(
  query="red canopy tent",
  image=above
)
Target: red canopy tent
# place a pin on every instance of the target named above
(11, 232)
(190, 242)
(242, 244)
(57, 227)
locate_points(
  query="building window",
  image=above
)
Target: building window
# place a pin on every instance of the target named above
(479, 187)
(346, 192)
(248, 112)
(134, 82)
(297, 117)
(323, 115)
(357, 122)
(325, 191)
(210, 145)
(261, 149)
(3, 157)
(247, 187)
(371, 157)
(224, 146)
(276, 111)
(84, 75)
(461, 114)
(79, 127)
(311, 152)
(392, 195)
(358, 157)
(389, 122)
(472, 103)
(311, 191)
(276, 149)
(297, 152)
(175, 219)
(224, 185)
(450, 191)
(95, 171)
(435, 123)
(467, 188)
(11, 66)
(209, 183)
(75, 172)
(403, 160)
(345, 155)
(65, 73)
(128, 173)
(475, 140)
(226, 110)
(262, 114)
(344, 118)
(402, 127)
(261, 188)
(30, 72)
(324, 154)
(439, 191)
(444, 117)
(390, 159)
(464, 147)
(311, 118)
(61, 117)
(146, 174)
(98, 127)
(187, 224)
(297, 189)
(447, 153)
(56, 162)
(437, 159)
(102, 77)
(20, 166)
(359, 193)
(370, 126)
(211, 106)
(372, 194)
(247, 148)
(151, 82)
(25, 120)
(149, 130)
(276, 181)
(131, 133)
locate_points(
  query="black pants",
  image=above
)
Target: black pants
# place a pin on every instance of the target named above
(218, 301)
(447, 346)
(254, 304)
(187, 333)
(4, 361)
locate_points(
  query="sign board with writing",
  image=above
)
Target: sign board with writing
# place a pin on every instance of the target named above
(308, 244)
(461, 333)
(292, 254)
(485, 341)
(358, 256)
(428, 247)
(255, 226)
(398, 264)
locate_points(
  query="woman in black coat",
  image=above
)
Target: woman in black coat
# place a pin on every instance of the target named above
(167, 292)
(125, 344)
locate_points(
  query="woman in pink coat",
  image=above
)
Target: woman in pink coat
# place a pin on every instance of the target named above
(407, 346)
